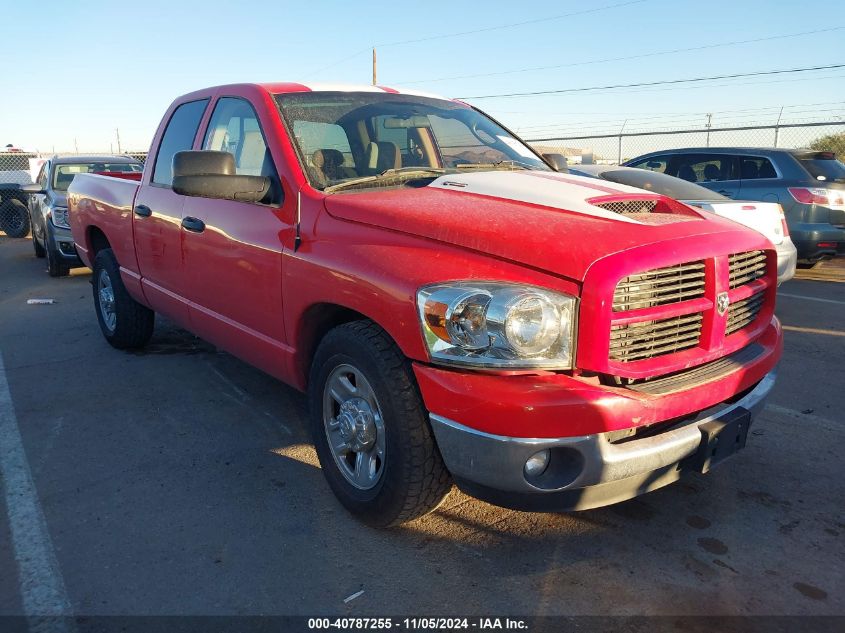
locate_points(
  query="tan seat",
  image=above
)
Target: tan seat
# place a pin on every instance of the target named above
(327, 166)
(382, 155)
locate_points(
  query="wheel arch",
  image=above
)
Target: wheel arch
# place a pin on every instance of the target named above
(314, 323)
(96, 241)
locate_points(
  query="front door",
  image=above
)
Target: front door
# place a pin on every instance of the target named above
(233, 250)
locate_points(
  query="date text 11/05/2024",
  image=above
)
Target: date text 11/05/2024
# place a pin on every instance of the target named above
(418, 624)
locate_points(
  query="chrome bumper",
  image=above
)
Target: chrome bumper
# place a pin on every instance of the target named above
(590, 470)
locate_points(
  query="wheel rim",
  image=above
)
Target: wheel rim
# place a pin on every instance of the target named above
(105, 294)
(354, 427)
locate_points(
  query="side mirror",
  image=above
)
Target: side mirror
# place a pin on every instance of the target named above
(556, 162)
(209, 174)
(32, 188)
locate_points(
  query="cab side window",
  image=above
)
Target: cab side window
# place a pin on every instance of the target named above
(756, 167)
(178, 136)
(655, 163)
(234, 128)
(704, 168)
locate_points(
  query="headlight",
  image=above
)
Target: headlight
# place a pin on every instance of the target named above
(498, 325)
(59, 215)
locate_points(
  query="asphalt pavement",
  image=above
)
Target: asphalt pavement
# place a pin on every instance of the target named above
(179, 480)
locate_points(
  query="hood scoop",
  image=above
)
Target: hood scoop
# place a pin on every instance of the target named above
(646, 209)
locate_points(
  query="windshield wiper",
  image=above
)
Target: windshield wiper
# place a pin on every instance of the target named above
(509, 164)
(404, 172)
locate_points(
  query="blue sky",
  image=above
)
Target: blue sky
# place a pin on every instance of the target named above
(98, 66)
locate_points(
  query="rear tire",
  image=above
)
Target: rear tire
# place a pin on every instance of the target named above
(379, 405)
(125, 323)
(14, 217)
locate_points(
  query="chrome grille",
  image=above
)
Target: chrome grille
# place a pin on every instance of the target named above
(744, 312)
(746, 267)
(648, 339)
(629, 206)
(660, 286)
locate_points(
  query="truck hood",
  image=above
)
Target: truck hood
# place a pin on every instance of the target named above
(545, 220)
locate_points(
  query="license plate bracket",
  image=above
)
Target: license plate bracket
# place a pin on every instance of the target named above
(721, 438)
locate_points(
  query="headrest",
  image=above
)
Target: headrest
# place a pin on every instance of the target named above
(750, 169)
(327, 158)
(687, 173)
(711, 172)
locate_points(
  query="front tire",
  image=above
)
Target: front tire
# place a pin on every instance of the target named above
(55, 266)
(125, 323)
(40, 253)
(370, 428)
(14, 218)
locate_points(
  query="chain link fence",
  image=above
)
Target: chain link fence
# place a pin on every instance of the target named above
(620, 147)
(21, 168)
(18, 168)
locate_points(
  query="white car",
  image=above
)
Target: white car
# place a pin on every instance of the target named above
(764, 217)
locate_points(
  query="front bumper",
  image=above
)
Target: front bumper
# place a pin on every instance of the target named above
(586, 471)
(63, 245)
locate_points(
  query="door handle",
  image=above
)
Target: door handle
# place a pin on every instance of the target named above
(724, 192)
(194, 225)
(143, 211)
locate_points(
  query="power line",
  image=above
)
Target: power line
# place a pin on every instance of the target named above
(655, 83)
(673, 112)
(514, 24)
(688, 116)
(627, 57)
(475, 31)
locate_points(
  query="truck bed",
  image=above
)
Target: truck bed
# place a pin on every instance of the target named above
(111, 200)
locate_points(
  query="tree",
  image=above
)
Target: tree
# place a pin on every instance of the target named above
(830, 143)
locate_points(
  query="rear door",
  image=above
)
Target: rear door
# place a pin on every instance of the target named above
(759, 179)
(233, 251)
(158, 216)
(717, 172)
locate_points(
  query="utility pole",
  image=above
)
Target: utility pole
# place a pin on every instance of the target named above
(117, 132)
(619, 152)
(777, 126)
(75, 145)
(707, 125)
(374, 65)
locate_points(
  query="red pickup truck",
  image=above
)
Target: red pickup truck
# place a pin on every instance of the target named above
(455, 308)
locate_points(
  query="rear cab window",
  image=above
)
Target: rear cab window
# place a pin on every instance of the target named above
(234, 128)
(178, 136)
(823, 166)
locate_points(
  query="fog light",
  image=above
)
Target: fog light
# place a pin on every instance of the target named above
(537, 463)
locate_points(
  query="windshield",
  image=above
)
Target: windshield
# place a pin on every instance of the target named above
(661, 183)
(824, 166)
(63, 174)
(380, 139)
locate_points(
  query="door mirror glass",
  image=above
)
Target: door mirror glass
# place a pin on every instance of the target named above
(211, 174)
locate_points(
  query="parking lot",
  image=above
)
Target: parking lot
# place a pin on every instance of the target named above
(179, 480)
